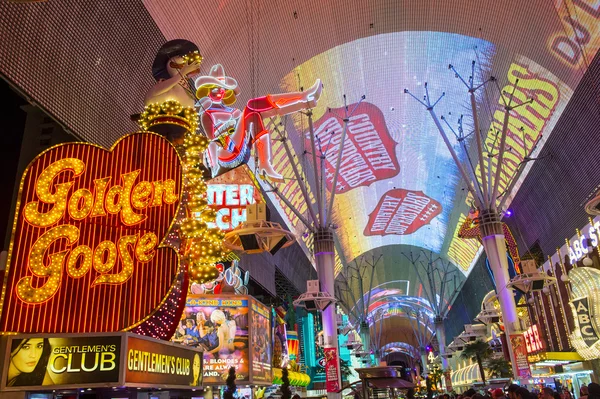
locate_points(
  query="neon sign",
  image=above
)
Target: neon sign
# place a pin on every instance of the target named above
(86, 254)
(533, 343)
(585, 305)
(578, 246)
(231, 200)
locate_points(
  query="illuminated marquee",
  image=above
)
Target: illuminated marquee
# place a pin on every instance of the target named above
(86, 254)
(583, 241)
(585, 304)
(533, 342)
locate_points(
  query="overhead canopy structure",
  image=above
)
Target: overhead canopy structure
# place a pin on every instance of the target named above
(398, 189)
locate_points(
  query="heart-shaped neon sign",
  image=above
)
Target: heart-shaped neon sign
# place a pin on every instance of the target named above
(86, 253)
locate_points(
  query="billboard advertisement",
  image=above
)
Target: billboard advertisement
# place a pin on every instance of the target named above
(160, 363)
(87, 252)
(520, 351)
(218, 325)
(98, 360)
(260, 327)
(40, 361)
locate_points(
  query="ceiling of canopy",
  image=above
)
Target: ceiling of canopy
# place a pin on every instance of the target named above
(398, 185)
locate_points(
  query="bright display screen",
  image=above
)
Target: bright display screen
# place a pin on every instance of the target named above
(398, 184)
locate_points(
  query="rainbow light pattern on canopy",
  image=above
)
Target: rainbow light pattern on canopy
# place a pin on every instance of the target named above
(398, 183)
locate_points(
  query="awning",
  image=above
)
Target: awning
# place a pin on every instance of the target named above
(466, 375)
(553, 358)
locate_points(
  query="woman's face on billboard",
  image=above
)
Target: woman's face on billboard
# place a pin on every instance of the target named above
(28, 356)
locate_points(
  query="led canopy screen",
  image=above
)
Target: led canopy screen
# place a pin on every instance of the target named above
(398, 184)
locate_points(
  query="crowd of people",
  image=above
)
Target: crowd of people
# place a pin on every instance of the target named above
(591, 391)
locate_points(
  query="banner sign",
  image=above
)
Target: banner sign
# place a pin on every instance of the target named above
(581, 308)
(232, 331)
(448, 380)
(332, 373)
(260, 327)
(520, 352)
(98, 360)
(86, 252)
(161, 363)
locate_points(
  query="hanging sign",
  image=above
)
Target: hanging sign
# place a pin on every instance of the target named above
(332, 372)
(520, 351)
(585, 337)
(87, 253)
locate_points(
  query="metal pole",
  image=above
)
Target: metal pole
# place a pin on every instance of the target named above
(472, 171)
(301, 184)
(454, 156)
(365, 337)
(500, 157)
(440, 332)
(479, 149)
(315, 166)
(324, 190)
(337, 171)
(292, 207)
(324, 250)
(495, 249)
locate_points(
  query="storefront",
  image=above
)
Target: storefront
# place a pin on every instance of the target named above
(559, 371)
(121, 365)
(564, 335)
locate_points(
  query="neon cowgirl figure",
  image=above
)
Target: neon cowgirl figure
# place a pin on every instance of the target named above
(232, 132)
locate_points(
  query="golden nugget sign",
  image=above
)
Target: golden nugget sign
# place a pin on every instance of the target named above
(86, 252)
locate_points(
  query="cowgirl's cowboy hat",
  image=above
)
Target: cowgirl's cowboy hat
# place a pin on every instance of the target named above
(173, 48)
(217, 77)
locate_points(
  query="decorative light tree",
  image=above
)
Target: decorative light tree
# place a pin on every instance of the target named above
(170, 111)
(202, 247)
(483, 183)
(421, 324)
(441, 282)
(357, 277)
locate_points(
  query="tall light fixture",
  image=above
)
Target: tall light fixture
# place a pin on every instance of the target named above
(318, 221)
(483, 184)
